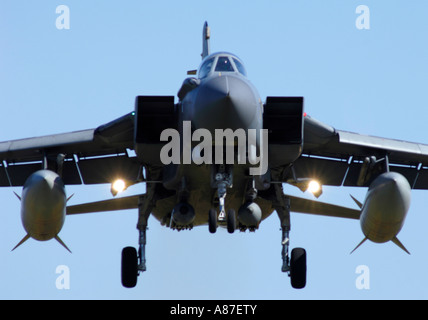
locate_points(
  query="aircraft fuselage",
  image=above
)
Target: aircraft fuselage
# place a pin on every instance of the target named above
(220, 98)
(223, 100)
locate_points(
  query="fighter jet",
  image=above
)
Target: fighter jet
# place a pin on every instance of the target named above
(216, 155)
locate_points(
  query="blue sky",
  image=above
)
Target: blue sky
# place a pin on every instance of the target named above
(367, 81)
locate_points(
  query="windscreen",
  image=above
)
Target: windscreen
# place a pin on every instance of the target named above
(224, 65)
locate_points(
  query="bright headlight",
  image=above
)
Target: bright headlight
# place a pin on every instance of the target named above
(118, 186)
(315, 188)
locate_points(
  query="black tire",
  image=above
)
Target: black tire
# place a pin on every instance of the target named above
(231, 221)
(129, 267)
(212, 220)
(298, 268)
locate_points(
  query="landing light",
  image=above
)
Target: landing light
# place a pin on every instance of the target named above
(307, 184)
(315, 188)
(118, 186)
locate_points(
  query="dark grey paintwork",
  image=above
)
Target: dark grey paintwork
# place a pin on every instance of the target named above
(220, 97)
(223, 99)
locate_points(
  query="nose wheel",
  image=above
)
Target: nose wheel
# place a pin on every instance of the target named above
(212, 221)
(229, 219)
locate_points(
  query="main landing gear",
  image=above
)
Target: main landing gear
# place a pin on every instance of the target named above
(133, 262)
(295, 265)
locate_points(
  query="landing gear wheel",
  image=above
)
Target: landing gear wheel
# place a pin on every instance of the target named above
(212, 220)
(129, 267)
(231, 221)
(298, 268)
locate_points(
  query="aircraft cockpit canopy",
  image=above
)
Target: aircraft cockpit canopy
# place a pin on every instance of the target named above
(221, 62)
(224, 65)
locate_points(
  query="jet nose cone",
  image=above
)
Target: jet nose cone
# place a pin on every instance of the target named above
(225, 102)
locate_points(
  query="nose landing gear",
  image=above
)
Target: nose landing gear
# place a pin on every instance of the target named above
(221, 179)
(229, 219)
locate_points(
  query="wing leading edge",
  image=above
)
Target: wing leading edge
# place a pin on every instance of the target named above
(91, 156)
(337, 157)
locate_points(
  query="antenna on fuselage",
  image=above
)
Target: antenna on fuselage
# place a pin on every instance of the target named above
(205, 40)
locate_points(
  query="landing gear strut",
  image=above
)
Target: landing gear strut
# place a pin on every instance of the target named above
(134, 263)
(221, 179)
(296, 265)
(284, 253)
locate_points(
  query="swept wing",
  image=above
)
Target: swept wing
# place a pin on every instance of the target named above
(341, 158)
(91, 156)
